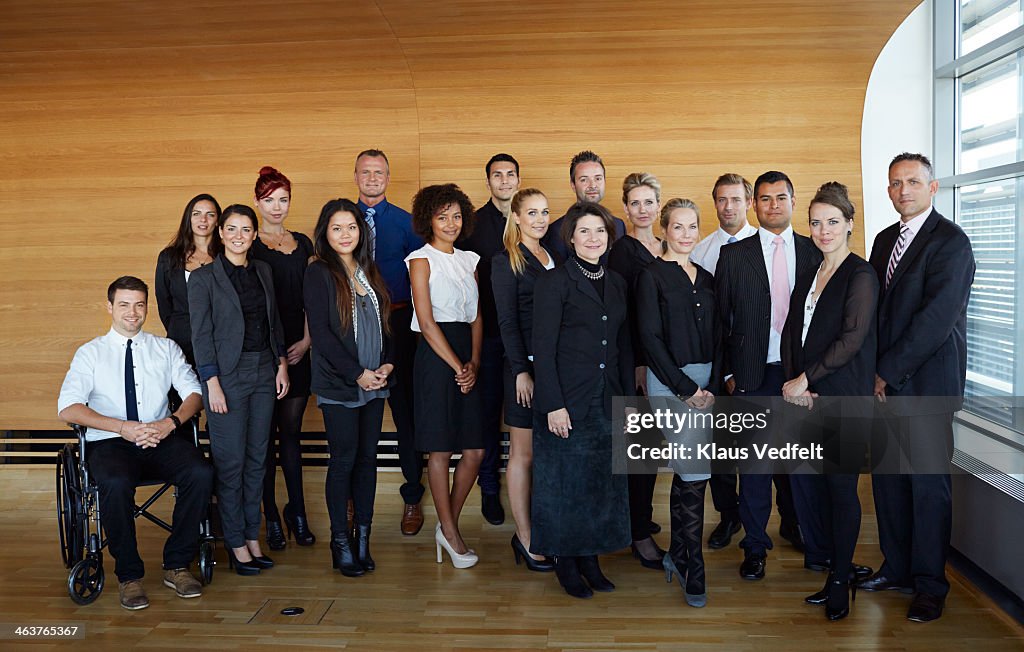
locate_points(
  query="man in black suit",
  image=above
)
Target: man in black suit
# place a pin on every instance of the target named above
(754, 279)
(486, 240)
(925, 269)
(586, 177)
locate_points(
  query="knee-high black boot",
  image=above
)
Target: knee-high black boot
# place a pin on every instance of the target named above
(687, 508)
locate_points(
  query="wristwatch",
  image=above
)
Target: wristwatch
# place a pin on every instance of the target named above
(176, 420)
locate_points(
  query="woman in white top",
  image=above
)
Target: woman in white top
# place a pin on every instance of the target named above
(445, 301)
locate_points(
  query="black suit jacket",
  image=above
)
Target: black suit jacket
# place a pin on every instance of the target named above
(335, 353)
(218, 325)
(579, 336)
(838, 355)
(486, 240)
(513, 299)
(172, 303)
(922, 314)
(745, 305)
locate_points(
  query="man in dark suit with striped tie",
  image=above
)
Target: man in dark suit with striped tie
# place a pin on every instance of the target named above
(925, 268)
(753, 282)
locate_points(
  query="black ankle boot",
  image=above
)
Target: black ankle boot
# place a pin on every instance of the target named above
(837, 604)
(591, 571)
(363, 547)
(299, 526)
(344, 559)
(568, 574)
(275, 536)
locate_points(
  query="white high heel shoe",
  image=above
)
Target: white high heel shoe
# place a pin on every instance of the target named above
(466, 560)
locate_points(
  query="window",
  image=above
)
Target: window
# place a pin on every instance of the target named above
(979, 146)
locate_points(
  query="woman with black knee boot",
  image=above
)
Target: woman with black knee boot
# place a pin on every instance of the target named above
(676, 319)
(582, 357)
(287, 253)
(828, 351)
(348, 307)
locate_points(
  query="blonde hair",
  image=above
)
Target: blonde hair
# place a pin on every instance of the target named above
(513, 235)
(639, 180)
(666, 213)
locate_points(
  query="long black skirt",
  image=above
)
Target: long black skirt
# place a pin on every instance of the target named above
(579, 507)
(446, 419)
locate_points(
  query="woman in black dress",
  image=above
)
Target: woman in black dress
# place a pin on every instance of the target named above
(675, 302)
(446, 300)
(514, 273)
(287, 253)
(348, 308)
(641, 197)
(196, 243)
(828, 350)
(583, 357)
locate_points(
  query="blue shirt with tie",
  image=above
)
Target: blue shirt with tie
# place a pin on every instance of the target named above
(394, 241)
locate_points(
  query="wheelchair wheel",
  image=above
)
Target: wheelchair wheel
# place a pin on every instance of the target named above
(206, 562)
(85, 582)
(70, 526)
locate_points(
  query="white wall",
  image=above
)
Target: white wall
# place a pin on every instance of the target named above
(897, 112)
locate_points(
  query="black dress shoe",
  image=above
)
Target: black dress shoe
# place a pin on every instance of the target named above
(654, 528)
(722, 534)
(520, 552)
(242, 567)
(861, 572)
(879, 582)
(752, 567)
(654, 564)
(925, 608)
(262, 562)
(792, 534)
(819, 566)
(490, 507)
(857, 571)
(591, 571)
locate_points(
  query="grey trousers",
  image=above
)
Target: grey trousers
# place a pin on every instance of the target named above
(238, 443)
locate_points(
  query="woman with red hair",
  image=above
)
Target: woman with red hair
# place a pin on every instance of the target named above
(287, 253)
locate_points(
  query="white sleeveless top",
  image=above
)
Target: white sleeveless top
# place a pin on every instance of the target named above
(454, 294)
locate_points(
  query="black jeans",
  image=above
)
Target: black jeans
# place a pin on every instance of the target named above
(118, 466)
(352, 436)
(401, 403)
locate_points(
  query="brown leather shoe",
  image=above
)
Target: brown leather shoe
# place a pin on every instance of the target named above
(183, 583)
(133, 596)
(412, 520)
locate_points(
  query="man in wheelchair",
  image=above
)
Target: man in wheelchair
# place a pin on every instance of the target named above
(117, 387)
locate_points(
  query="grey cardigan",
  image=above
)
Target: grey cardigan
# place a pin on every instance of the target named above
(218, 326)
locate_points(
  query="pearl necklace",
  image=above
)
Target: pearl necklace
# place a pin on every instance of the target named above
(593, 276)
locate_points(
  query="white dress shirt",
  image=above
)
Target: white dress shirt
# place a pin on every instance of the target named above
(454, 295)
(96, 378)
(707, 250)
(768, 248)
(914, 224)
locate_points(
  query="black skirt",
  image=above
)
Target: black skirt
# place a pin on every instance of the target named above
(446, 419)
(299, 378)
(516, 416)
(579, 507)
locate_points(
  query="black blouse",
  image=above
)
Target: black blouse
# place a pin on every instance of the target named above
(289, 271)
(629, 257)
(254, 306)
(677, 323)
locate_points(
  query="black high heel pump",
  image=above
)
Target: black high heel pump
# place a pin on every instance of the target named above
(242, 567)
(522, 554)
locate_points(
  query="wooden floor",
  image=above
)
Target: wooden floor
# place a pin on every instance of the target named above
(412, 603)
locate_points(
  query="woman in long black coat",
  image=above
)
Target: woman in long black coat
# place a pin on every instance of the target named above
(582, 356)
(828, 350)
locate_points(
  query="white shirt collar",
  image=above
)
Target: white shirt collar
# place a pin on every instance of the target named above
(915, 223)
(116, 338)
(745, 231)
(767, 237)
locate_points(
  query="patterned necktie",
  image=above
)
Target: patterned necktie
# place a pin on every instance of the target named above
(897, 253)
(370, 212)
(780, 285)
(130, 402)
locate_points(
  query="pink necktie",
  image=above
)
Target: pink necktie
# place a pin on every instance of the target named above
(780, 285)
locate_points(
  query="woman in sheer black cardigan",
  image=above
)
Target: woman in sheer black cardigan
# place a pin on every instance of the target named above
(675, 303)
(514, 274)
(828, 351)
(583, 357)
(196, 243)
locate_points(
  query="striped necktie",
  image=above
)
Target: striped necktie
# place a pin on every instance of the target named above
(897, 253)
(370, 212)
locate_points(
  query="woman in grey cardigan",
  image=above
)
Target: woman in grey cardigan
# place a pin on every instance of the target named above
(237, 340)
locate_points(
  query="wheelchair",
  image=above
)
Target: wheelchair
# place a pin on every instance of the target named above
(80, 529)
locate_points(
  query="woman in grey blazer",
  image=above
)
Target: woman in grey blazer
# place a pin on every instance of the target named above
(237, 340)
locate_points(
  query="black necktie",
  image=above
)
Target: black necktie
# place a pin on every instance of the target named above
(131, 406)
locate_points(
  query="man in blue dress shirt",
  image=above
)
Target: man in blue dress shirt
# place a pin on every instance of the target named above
(393, 240)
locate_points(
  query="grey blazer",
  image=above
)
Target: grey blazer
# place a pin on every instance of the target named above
(218, 326)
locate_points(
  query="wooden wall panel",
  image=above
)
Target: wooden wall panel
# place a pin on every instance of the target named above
(112, 115)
